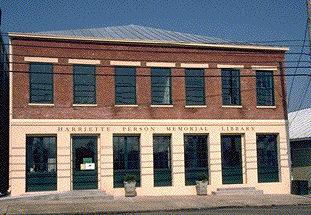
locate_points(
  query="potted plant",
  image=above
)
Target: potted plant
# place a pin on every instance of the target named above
(130, 185)
(201, 184)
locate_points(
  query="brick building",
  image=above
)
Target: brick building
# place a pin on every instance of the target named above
(89, 106)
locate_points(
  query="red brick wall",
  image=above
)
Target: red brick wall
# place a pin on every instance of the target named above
(63, 84)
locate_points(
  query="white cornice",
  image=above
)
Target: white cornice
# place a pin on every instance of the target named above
(144, 122)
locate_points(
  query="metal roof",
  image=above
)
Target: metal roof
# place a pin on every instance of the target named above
(300, 124)
(136, 32)
(146, 35)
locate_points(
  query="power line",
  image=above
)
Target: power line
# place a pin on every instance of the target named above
(195, 50)
(174, 76)
(308, 81)
(177, 67)
(277, 41)
(174, 100)
(303, 98)
(291, 86)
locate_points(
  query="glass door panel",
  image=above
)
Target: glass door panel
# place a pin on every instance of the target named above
(231, 159)
(84, 150)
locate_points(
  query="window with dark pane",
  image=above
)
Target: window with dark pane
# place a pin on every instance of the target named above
(231, 92)
(41, 163)
(84, 84)
(41, 83)
(84, 162)
(125, 85)
(195, 90)
(267, 158)
(126, 159)
(162, 160)
(300, 153)
(196, 157)
(265, 88)
(161, 86)
(231, 159)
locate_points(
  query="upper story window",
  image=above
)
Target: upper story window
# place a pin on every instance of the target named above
(84, 86)
(195, 90)
(231, 92)
(161, 86)
(125, 85)
(41, 83)
(265, 88)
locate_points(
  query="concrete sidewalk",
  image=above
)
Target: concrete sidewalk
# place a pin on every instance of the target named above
(144, 203)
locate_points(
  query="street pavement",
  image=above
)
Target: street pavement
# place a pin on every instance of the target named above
(272, 210)
(143, 203)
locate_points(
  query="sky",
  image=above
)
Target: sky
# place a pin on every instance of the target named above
(259, 21)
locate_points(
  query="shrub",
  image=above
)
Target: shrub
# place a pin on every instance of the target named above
(202, 176)
(129, 177)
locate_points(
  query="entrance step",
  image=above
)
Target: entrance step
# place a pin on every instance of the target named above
(68, 195)
(85, 194)
(238, 191)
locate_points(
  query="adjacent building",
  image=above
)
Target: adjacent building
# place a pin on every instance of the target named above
(300, 143)
(89, 106)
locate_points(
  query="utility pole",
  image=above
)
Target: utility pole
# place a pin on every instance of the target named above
(309, 18)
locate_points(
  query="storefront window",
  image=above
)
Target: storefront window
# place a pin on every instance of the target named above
(41, 163)
(267, 158)
(162, 161)
(196, 157)
(126, 159)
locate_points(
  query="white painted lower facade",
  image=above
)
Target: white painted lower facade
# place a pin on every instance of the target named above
(106, 129)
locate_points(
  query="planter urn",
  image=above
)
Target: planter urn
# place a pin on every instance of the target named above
(201, 187)
(130, 188)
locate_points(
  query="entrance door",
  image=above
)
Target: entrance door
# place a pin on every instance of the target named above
(231, 159)
(84, 149)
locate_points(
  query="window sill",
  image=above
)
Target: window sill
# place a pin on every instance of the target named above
(126, 105)
(267, 107)
(195, 106)
(232, 106)
(41, 104)
(84, 105)
(161, 106)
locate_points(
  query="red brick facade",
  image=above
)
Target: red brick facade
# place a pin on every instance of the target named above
(105, 52)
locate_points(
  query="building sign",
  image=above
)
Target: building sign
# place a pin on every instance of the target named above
(186, 128)
(83, 129)
(152, 128)
(138, 128)
(237, 128)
